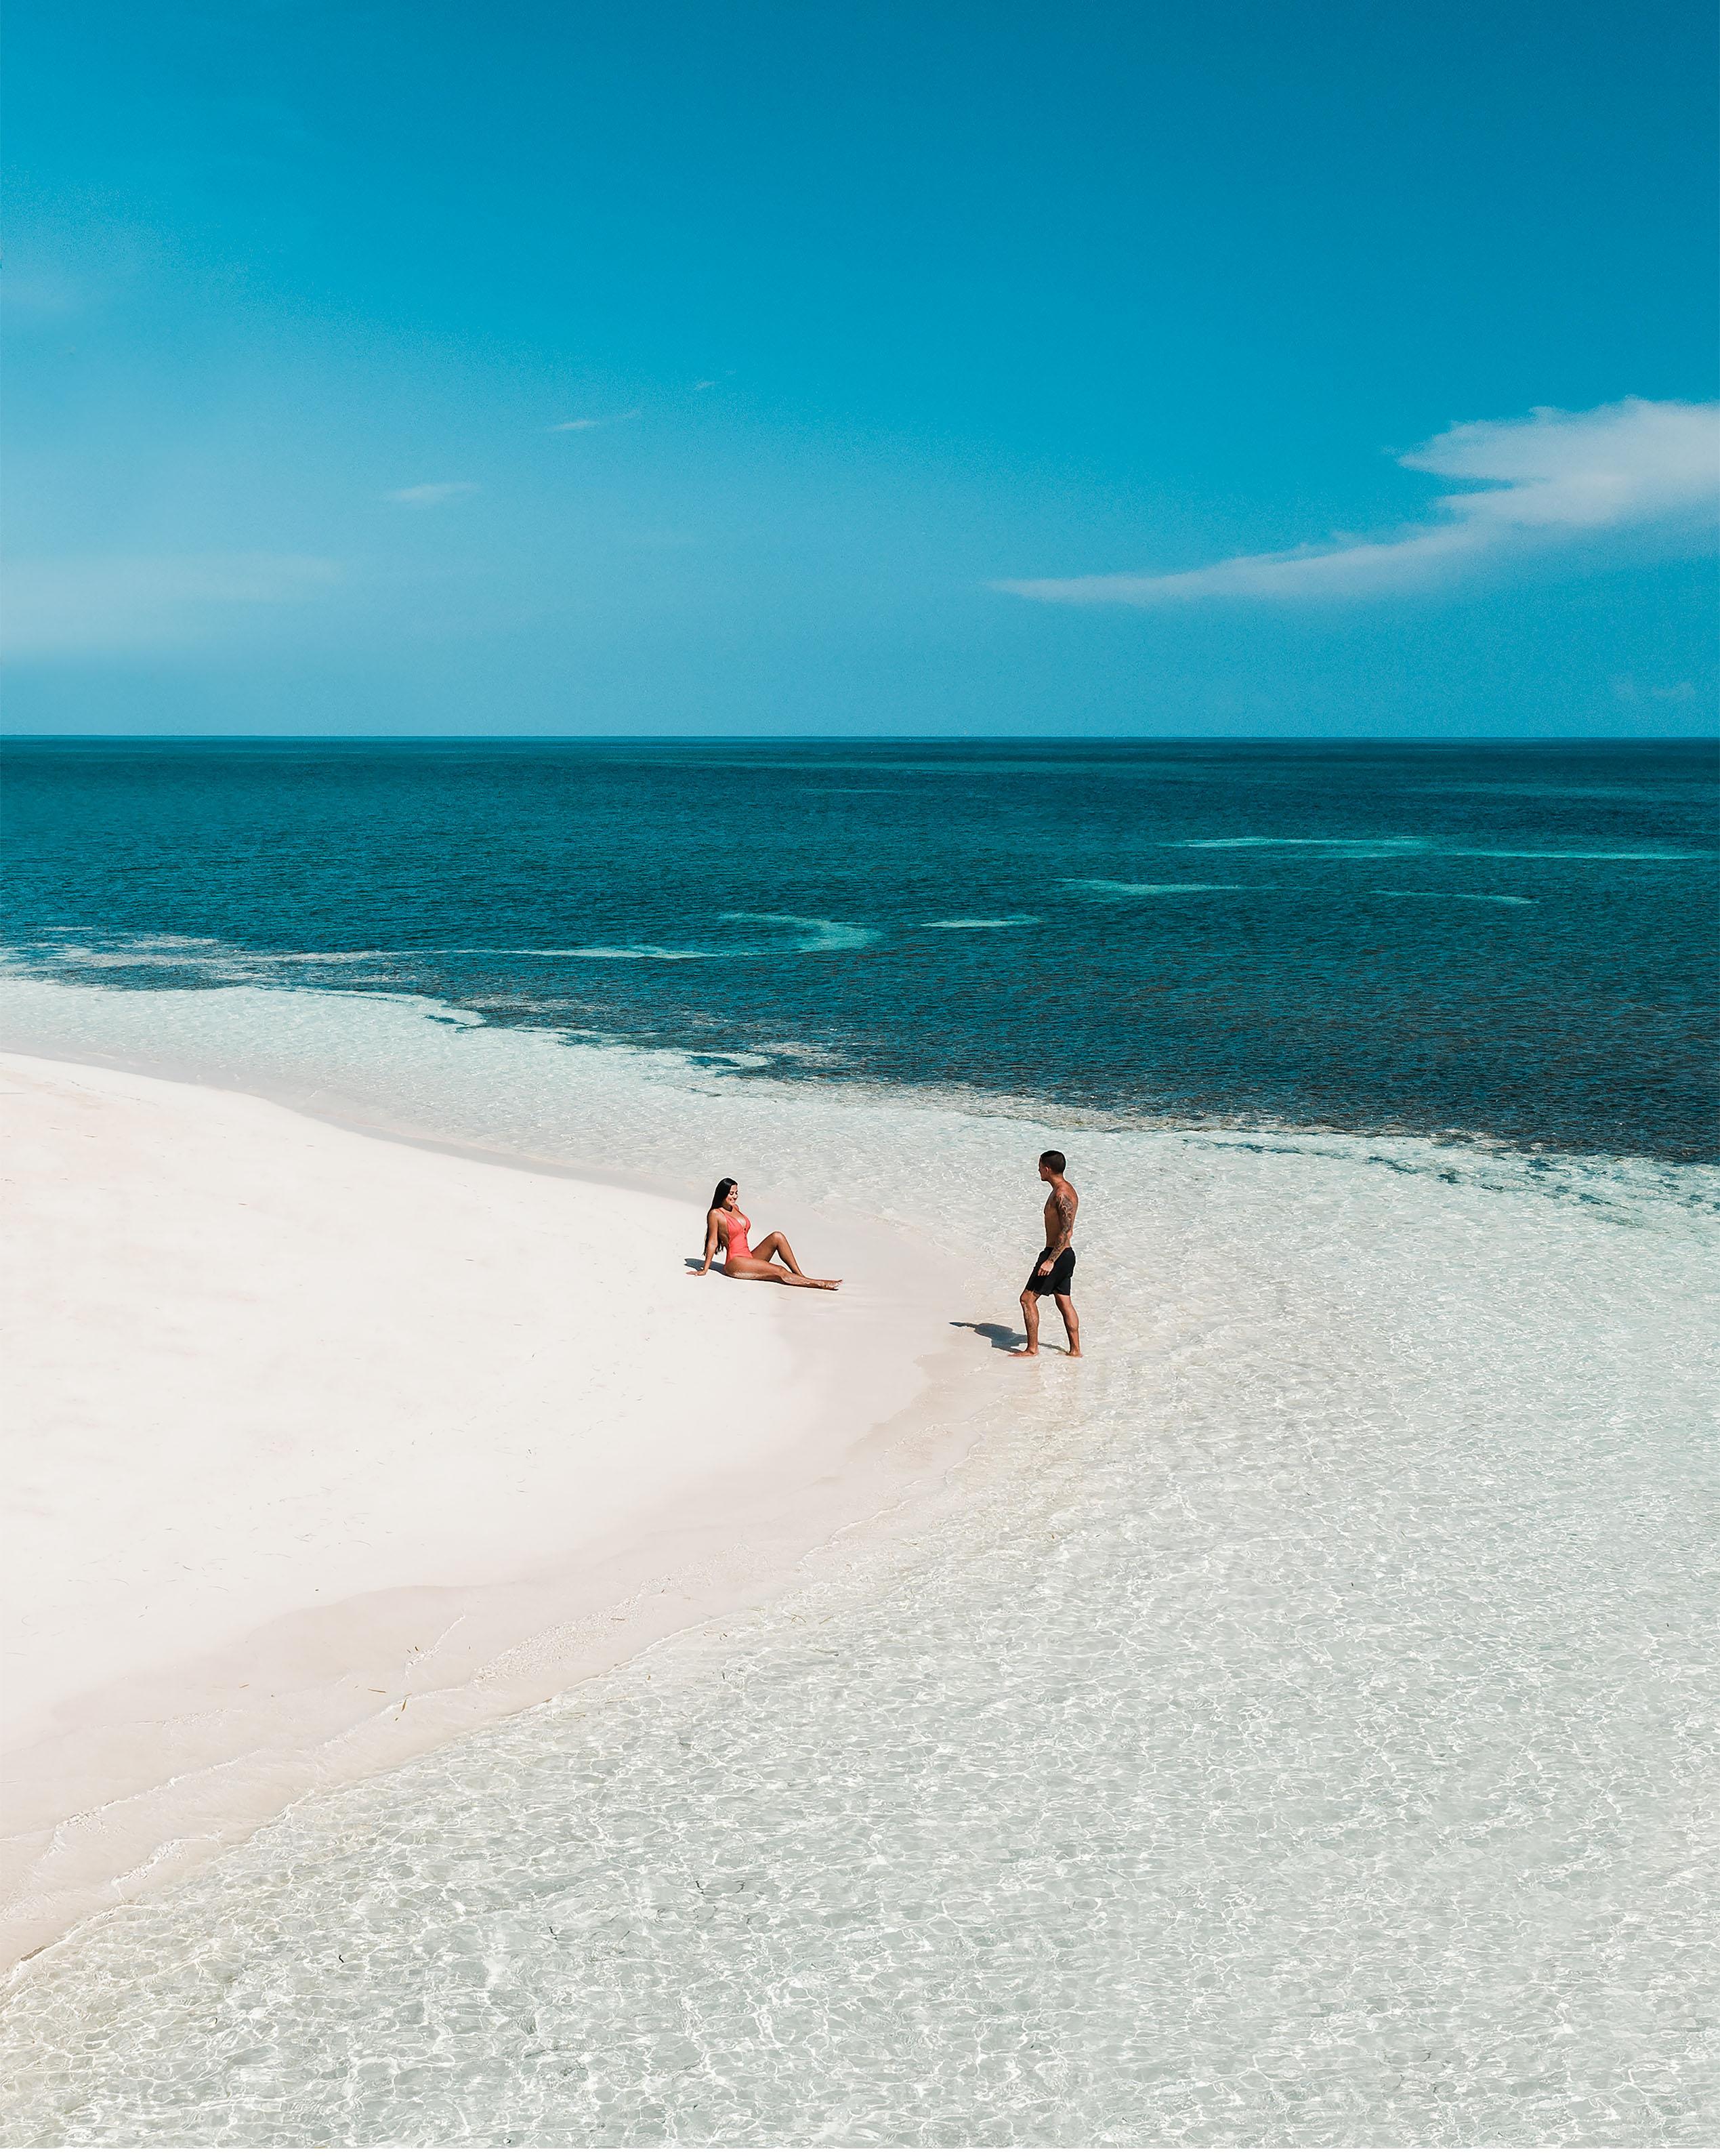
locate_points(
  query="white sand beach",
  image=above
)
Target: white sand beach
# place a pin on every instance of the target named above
(321, 1448)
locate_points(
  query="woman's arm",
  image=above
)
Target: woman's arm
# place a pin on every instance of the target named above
(710, 1239)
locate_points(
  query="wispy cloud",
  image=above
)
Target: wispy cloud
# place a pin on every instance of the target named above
(433, 491)
(580, 426)
(1675, 692)
(1554, 479)
(117, 603)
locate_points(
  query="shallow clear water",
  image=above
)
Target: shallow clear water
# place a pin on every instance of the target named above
(1302, 1731)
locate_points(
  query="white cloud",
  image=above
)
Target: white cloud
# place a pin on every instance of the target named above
(1556, 478)
(579, 426)
(433, 491)
(1675, 692)
(118, 602)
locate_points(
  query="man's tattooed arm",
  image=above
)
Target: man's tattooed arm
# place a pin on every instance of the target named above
(1064, 1203)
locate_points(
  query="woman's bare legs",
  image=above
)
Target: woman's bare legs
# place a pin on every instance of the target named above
(757, 1266)
(803, 1279)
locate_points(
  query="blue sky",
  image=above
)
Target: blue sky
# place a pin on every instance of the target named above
(861, 369)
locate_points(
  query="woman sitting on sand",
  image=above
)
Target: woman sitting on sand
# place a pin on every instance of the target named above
(727, 1223)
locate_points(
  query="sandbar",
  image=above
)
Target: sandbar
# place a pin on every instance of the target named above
(320, 1449)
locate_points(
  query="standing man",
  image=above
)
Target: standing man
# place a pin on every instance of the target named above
(1056, 1268)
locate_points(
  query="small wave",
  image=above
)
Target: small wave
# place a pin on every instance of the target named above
(194, 950)
(1103, 887)
(314, 957)
(1481, 897)
(1000, 920)
(175, 942)
(826, 935)
(1379, 849)
(1579, 853)
(1235, 845)
(178, 961)
(619, 950)
(558, 951)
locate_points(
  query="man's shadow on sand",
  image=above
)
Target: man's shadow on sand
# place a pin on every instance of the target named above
(1004, 1337)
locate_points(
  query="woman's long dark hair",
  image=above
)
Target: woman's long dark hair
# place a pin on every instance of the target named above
(722, 1191)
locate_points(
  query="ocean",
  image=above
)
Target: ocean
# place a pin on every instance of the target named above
(1512, 943)
(1300, 1727)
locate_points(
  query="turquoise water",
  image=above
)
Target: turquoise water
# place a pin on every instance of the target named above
(1300, 1729)
(1511, 941)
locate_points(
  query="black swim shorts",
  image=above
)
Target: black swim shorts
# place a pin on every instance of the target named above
(1054, 1282)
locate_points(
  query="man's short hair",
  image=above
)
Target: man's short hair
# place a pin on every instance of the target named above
(1053, 1161)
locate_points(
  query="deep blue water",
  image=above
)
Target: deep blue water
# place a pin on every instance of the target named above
(1513, 941)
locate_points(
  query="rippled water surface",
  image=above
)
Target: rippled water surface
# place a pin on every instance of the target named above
(1514, 941)
(1301, 1730)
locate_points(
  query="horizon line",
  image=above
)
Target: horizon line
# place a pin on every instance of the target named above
(1374, 741)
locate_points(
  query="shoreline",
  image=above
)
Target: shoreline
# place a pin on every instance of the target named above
(163, 1720)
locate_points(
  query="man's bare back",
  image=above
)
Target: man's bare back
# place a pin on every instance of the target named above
(1061, 1206)
(1054, 1271)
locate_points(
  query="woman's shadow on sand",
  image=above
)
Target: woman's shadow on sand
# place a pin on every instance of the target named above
(1003, 1337)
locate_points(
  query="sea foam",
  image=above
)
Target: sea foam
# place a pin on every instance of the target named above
(1480, 898)
(1104, 887)
(1380, 848)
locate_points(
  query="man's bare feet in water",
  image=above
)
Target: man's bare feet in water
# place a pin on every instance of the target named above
(1030, 1319)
